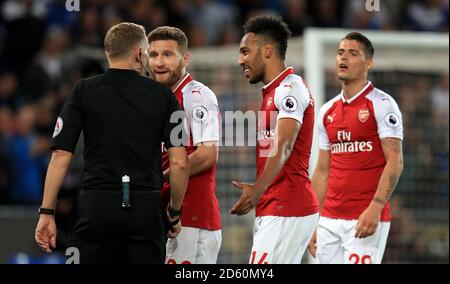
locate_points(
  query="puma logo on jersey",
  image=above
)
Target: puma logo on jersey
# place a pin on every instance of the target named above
(291, 85)
(331, 117)
(194, 91)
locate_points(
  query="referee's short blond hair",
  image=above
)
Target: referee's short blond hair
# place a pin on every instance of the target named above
(121, 38)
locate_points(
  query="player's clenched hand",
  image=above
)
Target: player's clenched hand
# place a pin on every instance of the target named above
(45, 234)
(248, 199)
(312, 246)
(174, 229)
(368, 221)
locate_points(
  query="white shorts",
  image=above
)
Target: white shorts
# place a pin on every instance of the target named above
(336, 243)
(281, 240)
(194, 246)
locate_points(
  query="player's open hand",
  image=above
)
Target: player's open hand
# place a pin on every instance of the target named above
(45, 234)
(312, 246)
(248, 199)
(368, 221)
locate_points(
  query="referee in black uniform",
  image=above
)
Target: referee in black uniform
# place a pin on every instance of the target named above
(124, 118)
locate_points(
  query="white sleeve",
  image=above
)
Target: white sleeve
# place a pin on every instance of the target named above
(388, 116)
(202, 109)
(292, 100)
(324, 142)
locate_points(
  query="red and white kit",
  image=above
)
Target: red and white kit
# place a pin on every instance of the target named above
(352, 131)
(201, 237)
(287, 212)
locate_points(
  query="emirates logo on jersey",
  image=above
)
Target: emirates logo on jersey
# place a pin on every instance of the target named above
(363, 115)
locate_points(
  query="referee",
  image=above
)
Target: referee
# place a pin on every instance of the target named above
(124, 118)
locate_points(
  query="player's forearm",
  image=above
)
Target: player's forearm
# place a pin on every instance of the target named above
(56, 172)
(199, 161)
(319, 182)
(392, 149)
(202, 159)
(274, 164)
(179, 176)
(388, 181)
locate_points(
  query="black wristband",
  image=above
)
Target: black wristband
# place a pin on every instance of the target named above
(47, 211)
(173, 212)
(173, 223)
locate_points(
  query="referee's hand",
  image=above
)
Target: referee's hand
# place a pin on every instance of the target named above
(45, 234)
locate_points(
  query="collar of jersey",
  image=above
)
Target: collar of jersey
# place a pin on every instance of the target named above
(276, 82)
(187, 78)
(365, 91)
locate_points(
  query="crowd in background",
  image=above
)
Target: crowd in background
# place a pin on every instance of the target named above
(41, 57)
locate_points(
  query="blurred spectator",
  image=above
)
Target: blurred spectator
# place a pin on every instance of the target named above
(296, 16)
(3, 33)
(58, 15)
(427, 15)
(148, 14)
(357, 16)
(5, 159)
(196, 36)
(440, 100)
(13, 9)
(29, 156)
(50, 65)
(110, 18)
(88, 33)
(326, 14)
(402, 233)
(177, 15)
(45, 116)
(8, 90)
(25, 32)
(247, 8)
(211, 17)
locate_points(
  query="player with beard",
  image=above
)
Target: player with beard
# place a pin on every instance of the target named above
(201, 237)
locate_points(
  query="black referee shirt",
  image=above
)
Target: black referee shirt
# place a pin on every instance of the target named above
(124, 118)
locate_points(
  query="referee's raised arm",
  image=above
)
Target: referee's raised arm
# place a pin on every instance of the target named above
(124, 117)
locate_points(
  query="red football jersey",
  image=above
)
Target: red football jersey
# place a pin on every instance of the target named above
(290, 194)
(200, 205)
(352, 131)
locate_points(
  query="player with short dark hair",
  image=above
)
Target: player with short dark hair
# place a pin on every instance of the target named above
(360, 162)
(286, 207)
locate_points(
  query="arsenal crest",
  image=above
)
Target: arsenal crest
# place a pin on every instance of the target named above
(363, 115)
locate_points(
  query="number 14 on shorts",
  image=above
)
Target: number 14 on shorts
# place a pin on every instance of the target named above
(258, 258)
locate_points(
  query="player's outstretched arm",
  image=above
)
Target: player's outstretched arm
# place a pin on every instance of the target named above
(286, 134)
(45, 234)
(369, 219)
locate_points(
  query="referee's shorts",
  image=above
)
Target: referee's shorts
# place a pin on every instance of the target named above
(104, 232)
